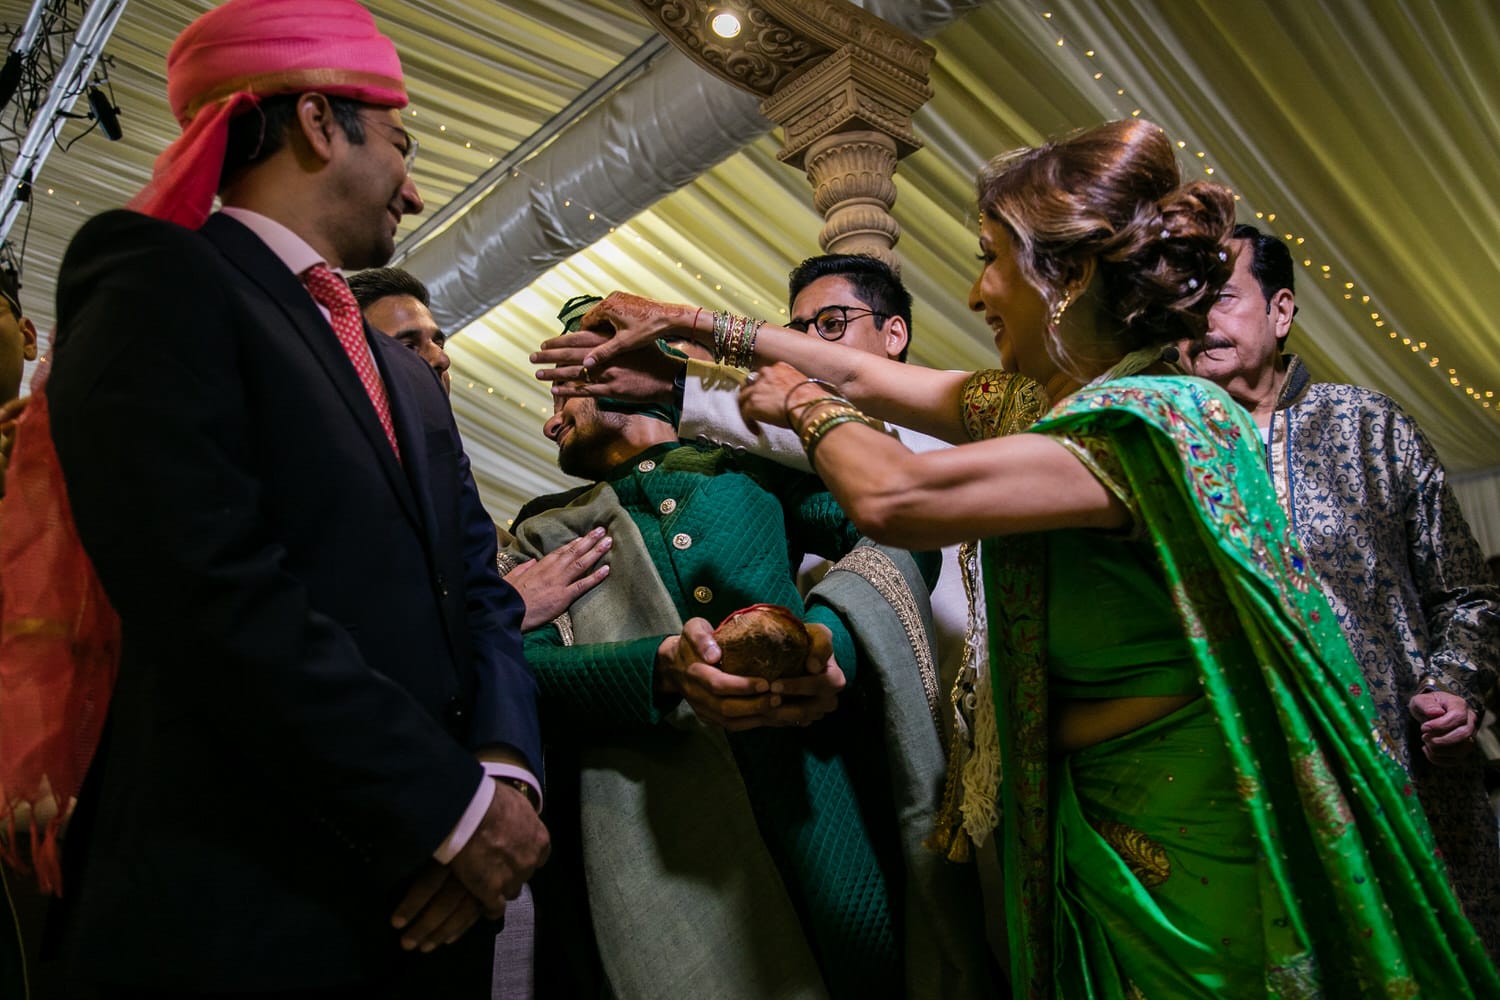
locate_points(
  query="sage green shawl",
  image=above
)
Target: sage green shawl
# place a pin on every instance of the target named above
(685, 899)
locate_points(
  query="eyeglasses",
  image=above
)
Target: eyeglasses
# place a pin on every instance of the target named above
(409, 144)
(832, 321)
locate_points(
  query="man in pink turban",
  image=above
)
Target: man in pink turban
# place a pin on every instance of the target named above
(318, 765)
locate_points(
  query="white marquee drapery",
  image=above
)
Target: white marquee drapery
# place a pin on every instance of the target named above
(1369, 128)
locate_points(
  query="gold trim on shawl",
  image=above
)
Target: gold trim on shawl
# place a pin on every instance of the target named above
(877, 568)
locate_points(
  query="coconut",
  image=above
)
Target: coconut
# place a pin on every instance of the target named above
(763, 640)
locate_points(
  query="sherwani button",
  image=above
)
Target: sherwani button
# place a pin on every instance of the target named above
(646, 466)
(702, 595)
(682, 540)
(668, 505)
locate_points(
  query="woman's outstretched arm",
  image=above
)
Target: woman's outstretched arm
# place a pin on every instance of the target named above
(616, 356)
(1008, 485)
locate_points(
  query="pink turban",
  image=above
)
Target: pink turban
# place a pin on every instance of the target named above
(237, 53)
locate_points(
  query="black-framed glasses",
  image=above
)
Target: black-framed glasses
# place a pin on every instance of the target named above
(409, 142)
(832, 321)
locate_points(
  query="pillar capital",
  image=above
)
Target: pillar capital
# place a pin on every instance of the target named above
(842, 84)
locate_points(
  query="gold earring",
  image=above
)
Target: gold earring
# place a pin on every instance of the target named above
(1057, 311)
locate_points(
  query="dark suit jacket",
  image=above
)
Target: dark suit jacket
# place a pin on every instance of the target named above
(315, 637)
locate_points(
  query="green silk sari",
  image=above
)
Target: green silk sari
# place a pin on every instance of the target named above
(1308, 869)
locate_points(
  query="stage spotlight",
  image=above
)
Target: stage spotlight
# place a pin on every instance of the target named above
(106, 114)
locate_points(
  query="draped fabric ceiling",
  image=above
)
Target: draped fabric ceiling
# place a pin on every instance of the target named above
(1368, 133)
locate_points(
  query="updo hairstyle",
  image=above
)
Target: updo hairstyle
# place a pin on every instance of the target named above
(1113, 193)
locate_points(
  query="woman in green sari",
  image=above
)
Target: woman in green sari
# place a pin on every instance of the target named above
(1195, 798)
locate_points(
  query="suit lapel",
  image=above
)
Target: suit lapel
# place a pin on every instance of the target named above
(405, 388)
(244, 250)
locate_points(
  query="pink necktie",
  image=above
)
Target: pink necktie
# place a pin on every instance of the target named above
(332, 293)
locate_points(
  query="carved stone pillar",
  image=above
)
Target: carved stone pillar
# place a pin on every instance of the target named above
(853, 187)
(841, 83)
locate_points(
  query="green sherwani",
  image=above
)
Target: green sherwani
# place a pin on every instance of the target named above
(776, 862)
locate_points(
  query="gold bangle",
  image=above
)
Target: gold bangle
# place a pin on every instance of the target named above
(736, 353)
(830, 424)
(721, 333)
(786, 409)
(814, 424)
(738, 345)
(836, 406)
(814, 402)
(833, 406)
(747, 346)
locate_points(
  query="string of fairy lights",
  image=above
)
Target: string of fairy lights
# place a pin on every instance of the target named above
(1360, 301)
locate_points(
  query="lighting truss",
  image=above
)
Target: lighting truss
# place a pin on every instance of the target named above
(49, 60)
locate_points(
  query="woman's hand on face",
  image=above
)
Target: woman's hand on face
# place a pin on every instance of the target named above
(633, 322)
(641, 376)
(614, 352)
(771, 395)
(560, 359)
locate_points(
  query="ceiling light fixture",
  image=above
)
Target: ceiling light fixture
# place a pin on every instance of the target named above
(725, 24)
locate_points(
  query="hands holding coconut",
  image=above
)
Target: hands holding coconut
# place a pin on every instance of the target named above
(761, 667)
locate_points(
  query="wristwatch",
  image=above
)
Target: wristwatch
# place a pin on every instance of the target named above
(1435, 682)
(525, 789)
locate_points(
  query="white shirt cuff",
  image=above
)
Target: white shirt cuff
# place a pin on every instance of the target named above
(459, 836)
(467, 823)
(514, 772)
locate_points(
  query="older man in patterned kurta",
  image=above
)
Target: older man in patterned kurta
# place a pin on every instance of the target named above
(1369, 501)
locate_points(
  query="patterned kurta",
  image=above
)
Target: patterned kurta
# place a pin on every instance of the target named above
(1368, 499)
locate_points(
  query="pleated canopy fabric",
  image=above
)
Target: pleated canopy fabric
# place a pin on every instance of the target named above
(1367, 132)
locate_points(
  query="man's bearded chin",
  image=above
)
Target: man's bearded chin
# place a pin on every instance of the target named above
(583, 453)
(575, 458)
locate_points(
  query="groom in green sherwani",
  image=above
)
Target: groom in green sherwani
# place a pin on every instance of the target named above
(738, 838)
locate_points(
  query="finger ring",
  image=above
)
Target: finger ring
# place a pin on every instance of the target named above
(750, 379)
(587, 378)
